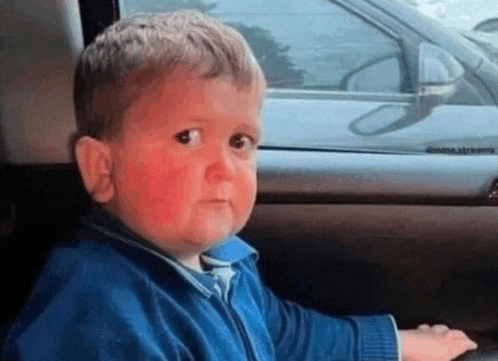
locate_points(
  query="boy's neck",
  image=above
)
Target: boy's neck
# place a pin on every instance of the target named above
(192, 262)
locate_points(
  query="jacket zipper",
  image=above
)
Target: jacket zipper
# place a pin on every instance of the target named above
(242, 332)
(234, 316)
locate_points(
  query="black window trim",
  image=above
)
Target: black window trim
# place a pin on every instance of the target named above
(96, 15)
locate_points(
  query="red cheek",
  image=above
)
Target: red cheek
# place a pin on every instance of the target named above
(162, 188)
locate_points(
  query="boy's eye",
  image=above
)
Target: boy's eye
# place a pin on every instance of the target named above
(241, 141)
(189, 137)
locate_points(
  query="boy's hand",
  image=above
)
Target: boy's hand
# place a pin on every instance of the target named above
(436, 343)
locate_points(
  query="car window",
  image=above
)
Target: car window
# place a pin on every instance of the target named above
(315, 44)
(340, 80)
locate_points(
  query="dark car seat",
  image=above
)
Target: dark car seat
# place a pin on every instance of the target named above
(38, 205)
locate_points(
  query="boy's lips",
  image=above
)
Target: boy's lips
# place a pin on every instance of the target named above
(216, 201)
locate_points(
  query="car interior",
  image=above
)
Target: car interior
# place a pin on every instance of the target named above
(343, 232)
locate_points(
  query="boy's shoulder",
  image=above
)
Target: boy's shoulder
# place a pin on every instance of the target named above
(84, 255)
(79, 267)
(93, 258)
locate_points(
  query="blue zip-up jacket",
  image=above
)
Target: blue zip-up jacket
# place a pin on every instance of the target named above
(108, 295)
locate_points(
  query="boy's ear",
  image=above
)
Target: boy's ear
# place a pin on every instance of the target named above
(94, 160)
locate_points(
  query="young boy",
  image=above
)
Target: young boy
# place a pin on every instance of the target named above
(168, 111)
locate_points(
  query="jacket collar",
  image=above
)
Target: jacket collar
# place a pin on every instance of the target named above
(229, 251)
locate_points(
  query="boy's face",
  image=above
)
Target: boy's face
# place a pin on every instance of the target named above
(185, 163)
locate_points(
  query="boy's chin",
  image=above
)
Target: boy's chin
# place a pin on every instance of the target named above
(211, 236)
(216, 227)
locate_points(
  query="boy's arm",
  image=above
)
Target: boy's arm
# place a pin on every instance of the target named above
(303, 334)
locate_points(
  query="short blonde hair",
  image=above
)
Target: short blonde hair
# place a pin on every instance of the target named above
(130, 56)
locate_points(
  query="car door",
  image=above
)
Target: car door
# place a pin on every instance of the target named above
(358, 209)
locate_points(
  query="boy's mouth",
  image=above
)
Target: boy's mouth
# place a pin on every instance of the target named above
(215, 201)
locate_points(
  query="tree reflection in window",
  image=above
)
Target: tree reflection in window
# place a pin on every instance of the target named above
(279, 70)
(273, 57)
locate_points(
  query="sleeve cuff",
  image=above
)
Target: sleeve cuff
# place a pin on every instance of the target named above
(378, 338)
(398, 339)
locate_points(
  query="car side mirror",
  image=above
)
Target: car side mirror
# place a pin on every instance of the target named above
(438, 76)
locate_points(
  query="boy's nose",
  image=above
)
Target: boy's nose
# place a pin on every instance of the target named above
(221, 168)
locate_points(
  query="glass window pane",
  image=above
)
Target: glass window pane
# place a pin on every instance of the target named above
(313, 44)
